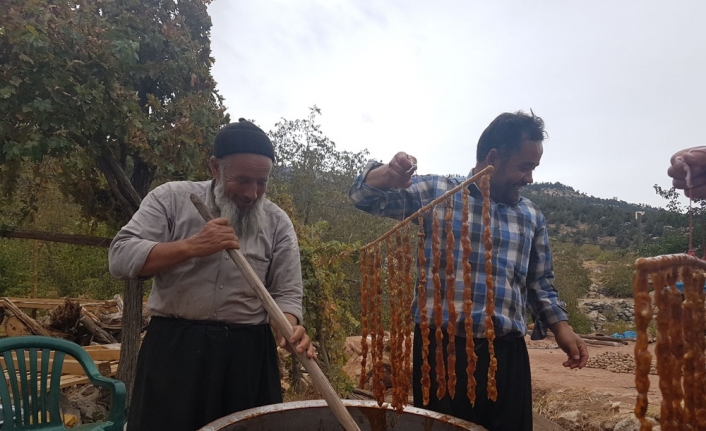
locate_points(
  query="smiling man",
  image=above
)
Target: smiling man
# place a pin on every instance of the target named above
(209, 350)
(522, 269)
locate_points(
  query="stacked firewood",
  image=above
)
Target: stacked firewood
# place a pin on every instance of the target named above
(84, 322)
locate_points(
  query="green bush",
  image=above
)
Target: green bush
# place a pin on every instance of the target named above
(617, 280)
(619, 326)
(572, 281)
(15, 267)
(590, 251)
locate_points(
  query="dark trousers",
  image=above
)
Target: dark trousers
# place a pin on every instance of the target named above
(190, 373)
(513, 409)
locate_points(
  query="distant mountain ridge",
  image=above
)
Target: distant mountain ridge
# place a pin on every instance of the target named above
(560, 190)
(576, 217)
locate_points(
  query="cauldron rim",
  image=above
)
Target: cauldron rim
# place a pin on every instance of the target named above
(232, 418)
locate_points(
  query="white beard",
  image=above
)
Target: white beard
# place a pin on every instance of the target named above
(245, 223)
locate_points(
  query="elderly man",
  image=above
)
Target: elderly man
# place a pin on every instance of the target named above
(521, 266)
(209, 350)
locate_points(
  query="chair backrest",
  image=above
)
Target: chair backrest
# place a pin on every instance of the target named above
(29, 391)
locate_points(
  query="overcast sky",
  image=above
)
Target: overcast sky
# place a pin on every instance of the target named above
(621, 85)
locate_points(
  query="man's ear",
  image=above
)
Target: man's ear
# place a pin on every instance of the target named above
(213, 163)
(492, 157)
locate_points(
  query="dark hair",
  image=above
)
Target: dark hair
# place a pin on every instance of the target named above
(507, 132)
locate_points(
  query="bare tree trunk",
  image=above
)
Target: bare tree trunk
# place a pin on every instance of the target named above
(130, 341)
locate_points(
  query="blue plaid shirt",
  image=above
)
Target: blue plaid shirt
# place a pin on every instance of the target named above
(522, 259)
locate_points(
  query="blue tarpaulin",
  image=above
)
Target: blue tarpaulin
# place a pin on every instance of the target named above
(626, 334)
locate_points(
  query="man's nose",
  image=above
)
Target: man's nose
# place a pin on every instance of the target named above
(528, 178)
(251, 192)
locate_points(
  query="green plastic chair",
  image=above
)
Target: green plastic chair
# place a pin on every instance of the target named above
(34, 383)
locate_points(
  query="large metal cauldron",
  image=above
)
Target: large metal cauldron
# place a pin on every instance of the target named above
(317, 416)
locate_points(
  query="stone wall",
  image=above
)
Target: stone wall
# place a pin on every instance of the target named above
(600, 311)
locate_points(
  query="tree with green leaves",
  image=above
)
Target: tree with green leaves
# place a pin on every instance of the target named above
(317, 175)
(310, 181)
(676, 238)
(118, 94)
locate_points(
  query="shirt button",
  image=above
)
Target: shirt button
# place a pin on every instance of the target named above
(226, 256)
(215, 314)
(221, 286)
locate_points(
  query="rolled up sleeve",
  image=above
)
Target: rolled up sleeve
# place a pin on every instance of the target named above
(133, 243)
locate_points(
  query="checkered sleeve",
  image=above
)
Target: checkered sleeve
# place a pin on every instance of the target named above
(393, 203)
(543, 298)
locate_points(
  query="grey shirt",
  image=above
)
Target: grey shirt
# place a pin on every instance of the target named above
(212, 287)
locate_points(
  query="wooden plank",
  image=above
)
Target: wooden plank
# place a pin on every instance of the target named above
(109, 306)
(73, 380)
(105, 352)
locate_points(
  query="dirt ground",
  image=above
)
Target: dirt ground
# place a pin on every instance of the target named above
(547, 372)
(603, 397)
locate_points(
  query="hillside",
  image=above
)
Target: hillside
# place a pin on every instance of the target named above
(582, 219)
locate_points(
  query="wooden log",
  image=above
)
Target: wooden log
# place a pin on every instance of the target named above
(603, 343)
(99, 334)
(94, 241)
(14, 327)
(280, 322)
(603, 338)
(33, 326)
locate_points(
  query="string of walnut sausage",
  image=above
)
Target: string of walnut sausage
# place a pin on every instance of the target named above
(397, 277)
(688, 317)
(490, 293)
(679, 351)
(467, 298)
(665, 359)
(402, 328)
(364, 318)
(379, 372)
(438, 311)
(394, 318)
(450, 291)
(643, 358)
(423, 314)
(408, 294)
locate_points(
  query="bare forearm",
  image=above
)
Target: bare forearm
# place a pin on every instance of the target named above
(292, 319)
(164, 256)
(560, 326)
(380, 178)
(398, 173)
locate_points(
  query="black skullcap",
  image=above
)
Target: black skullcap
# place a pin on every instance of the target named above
(242, 137)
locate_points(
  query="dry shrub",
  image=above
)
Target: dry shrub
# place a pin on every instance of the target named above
(595, 407)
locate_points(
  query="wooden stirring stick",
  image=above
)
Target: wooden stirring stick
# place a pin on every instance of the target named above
(281, 323)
